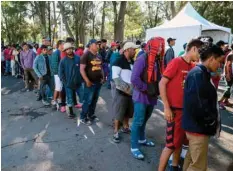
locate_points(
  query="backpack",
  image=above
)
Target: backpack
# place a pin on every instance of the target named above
(151, 75)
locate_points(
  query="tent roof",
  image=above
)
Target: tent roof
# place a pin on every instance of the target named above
(188, 16)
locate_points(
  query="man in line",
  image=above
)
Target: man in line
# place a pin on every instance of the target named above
(92, 72)
(171, 91)
(69, 73)
(169, 54)
(201, 117)
(122, 102)
(143, 101)
(42, 69)
(55, 61)
(27, 57)
(45, 41)
(7, 57)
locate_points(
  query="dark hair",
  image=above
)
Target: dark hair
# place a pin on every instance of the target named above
(43, 47)
(103, 41)
(69, 39)
(194, 42)
(14, 45)
(220, 43)
(138, 42)
(59, 42)
(214, 51)
(184, 46)
(24, 43)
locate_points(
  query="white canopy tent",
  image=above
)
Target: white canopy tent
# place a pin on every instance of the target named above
(188, 24)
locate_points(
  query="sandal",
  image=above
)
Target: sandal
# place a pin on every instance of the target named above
(137, 154)
(146, 143)
(125, 130)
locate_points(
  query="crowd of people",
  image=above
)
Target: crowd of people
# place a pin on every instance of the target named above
(137, 74)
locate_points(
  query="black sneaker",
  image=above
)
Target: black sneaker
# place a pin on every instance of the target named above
(85, 121)
(116, 138)
(94, 118)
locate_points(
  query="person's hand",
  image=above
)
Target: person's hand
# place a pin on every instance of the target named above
(168, 115)
(228, 78)
(89, 83)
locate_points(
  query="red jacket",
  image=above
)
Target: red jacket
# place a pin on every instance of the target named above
(7, 54)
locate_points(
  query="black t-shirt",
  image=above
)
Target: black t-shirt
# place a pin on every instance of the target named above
(93, 66)
(47, 64)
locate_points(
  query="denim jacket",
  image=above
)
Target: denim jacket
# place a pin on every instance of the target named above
(39, 65)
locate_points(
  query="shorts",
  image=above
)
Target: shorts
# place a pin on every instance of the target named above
(122, 106)
(175, 135)
(58, 83)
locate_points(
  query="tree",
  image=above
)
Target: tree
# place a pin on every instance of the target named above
(103, 20)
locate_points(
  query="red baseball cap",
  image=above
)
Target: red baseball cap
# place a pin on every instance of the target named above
(114, 44)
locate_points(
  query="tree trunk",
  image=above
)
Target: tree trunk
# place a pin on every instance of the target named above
(49, 21)
(103, 21)
(64, 18)
(115, 18)
(173, 9)
(54, 21)
(120, 22)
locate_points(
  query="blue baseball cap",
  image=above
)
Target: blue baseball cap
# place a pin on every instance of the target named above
(92, 41)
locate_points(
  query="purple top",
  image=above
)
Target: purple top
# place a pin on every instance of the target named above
(27, 58)
(139, 85)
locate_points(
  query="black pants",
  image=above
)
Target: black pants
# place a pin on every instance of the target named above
(46, 80)
(227, 93)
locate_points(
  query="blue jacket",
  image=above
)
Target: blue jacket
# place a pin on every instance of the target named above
(55, 60)
(39, 65)
(69, 72)
(200, 113)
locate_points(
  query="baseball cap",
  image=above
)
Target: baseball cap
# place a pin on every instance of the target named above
(221, 43)
(114, 44)
(92, 41)
(44, 47)
(129, 45)
(170, 39)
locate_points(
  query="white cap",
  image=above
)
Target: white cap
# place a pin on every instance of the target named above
(129, 45)
(67, 46)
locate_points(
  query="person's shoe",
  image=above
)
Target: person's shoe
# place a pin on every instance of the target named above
(125, 130)
(94, 118)
(116, 138)
(54, 104)
(222, 106)
(45, 103)
(63, 109)
(70, 112)
(39, 98)
(79, 106)
(85, 121)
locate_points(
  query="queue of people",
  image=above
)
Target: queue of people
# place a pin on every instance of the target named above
(137, 74)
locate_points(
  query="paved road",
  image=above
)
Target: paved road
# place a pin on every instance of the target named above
(35, 138)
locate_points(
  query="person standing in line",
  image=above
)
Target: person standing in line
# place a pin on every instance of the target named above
(169, 54)
(13, 60)
(55, 61)
(7, 57)
(171, 92)
(201, 118)
(69, 73)
(144, 101)
(122, 107)
(27, 57)
(92, 72)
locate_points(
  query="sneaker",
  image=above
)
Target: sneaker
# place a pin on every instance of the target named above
(45, 103)
(94, 118)
(125, 130)
(63, 109)
(116, 138)
(85, 121)
(54, 104)
(39, 98)
(79, 106)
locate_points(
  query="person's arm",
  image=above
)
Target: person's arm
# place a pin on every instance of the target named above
(138, 69)
(84, 75)
(120, 84)
(228, 70)
(35, 67)
(168, 75)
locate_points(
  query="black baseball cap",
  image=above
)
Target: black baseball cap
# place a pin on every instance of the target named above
(44, 47)
(170, 39)
(221, 43)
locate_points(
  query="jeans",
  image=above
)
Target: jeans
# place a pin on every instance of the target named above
(70, 97)
(142, 112)
(46, 80)
(227, 93)
(8, 66)
(80, 93)
(13, 67)
(90, 98)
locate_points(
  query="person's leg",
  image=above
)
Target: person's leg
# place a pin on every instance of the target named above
(137, 124)
(149, 110)
(92, 106)
(70, 102)
(8, 67)
(43, 89)
(34, 77)
(80, 92)
(87, 100)
(198, 147)
(12, 67)
(187, 161)
(26, 76)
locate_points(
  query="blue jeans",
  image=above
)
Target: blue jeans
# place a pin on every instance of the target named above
(142, 113)
(90, 98)
(8, 66)
(80, 93)
(70, 97)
